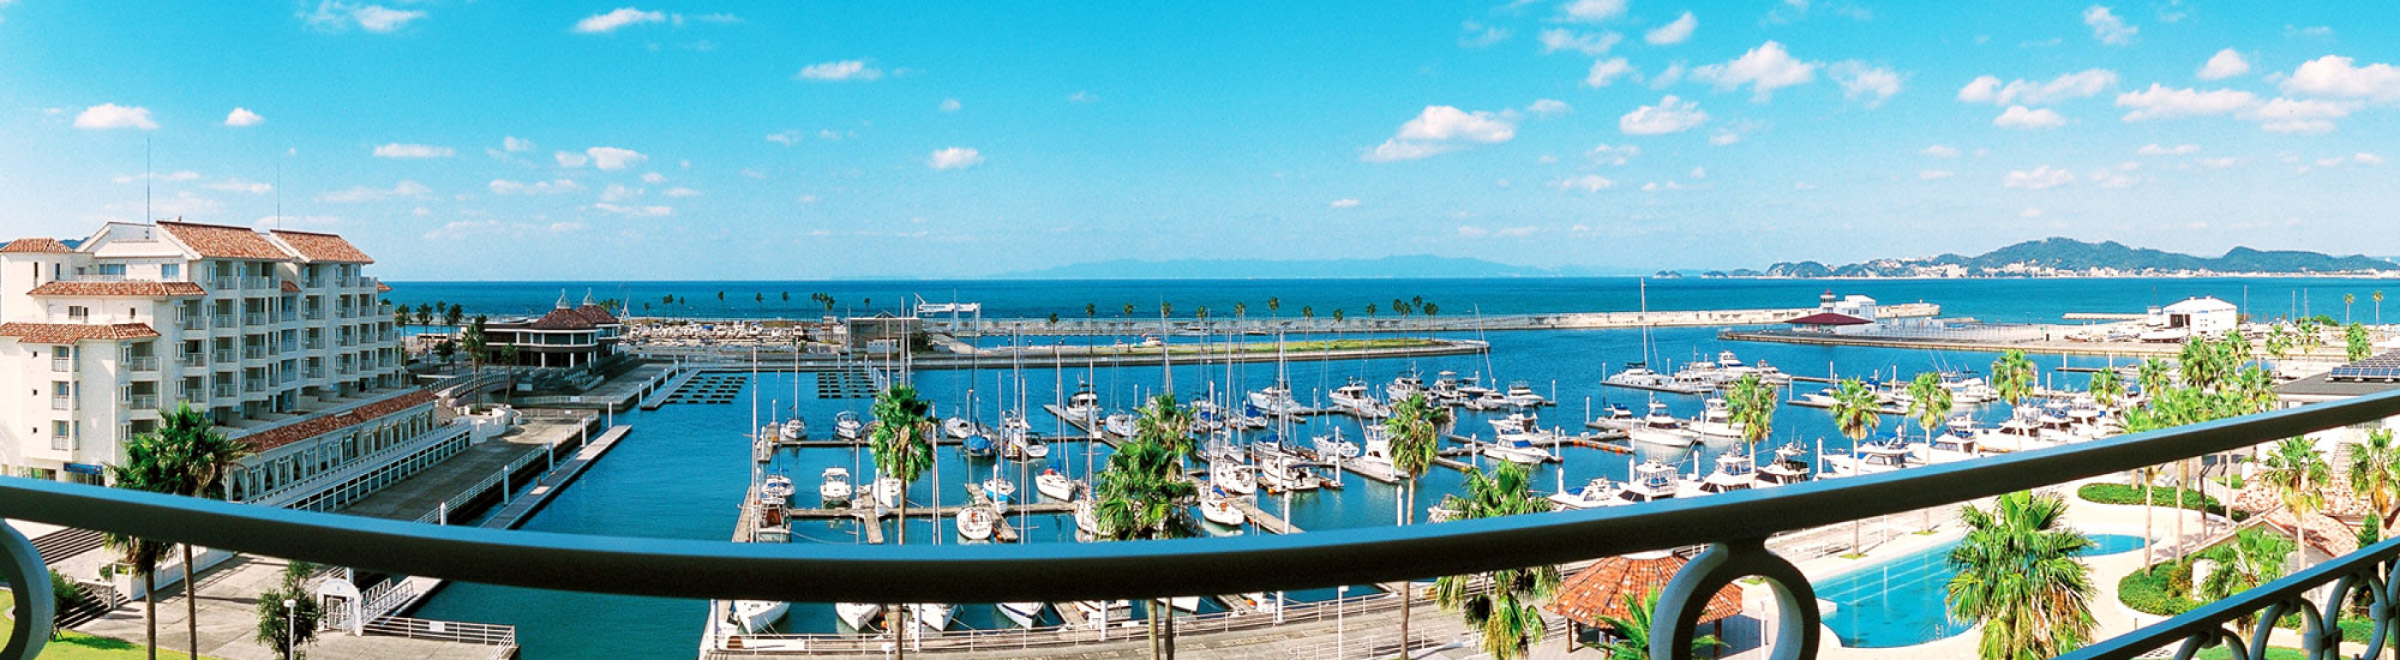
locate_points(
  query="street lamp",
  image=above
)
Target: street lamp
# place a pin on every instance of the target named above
(291, 628)
(1340, 642)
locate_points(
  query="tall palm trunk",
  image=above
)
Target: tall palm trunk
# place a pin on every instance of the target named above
(191, 602)
(1407, 593)
(2146, 514)
(150, 607)
(1158, 650)
(899, 613)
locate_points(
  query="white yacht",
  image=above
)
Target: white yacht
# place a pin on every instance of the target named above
(1025, 615)
(1660, 428)
(1119, 424)
(1185, 603)
(931, 617)
(1444, 389)
(836, 489)
(847, 427)
(1277, 399)
(1217, 507)
(1101, 613)
(999, 491)
(1871, 457)
(1055, 486)
(888, 491)
(1084, 406)
(1521, 394)
(1332, 446)
(975, 523)
(1354, 399)
(1086, 521)
(1716, 421)
(795, 429)
(958, 428)
(1787, 468)
(1518, 426)
(1652, 481)
(758, 616)
(1947, 448)
(1233, 477)
(1735, 471)
(1598, 492)
(1404, 386)
(1521, 451)
(776, 488)
(857, 615)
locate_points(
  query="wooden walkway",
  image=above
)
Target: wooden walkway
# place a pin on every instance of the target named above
(415, 589)
(1265, 521)
(658, 398)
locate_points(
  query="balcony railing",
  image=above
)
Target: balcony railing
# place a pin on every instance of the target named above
(222, 391)
(193, 322)
(193, 359)
(258, 283)
(254, 352)
(224, 283)
(254, 385)
(254, 318)
(313, 314)
(141, 401)
(224, 355)
(314, 373)
(62, 364)
(62, 402)
(1733, 526)
(142, 363)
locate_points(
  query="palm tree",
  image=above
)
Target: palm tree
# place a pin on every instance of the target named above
(1504, 611)
(1630, 635)
(2348, 299)
(2255, 557)
(2012, 376)
(2375, 472)
(2152, 376)
(2108, 388)
(2279, 341)
(1142, 495)
(1856, 414)
(1414, 430)
(2018, 574)
(2378, 296)
(1751, 405)
(1929, 401)
(452, 316)
(901, 438)
(205, 457)
(152, 465)
(2297, 472)
(1168, 423)
(1274, 304)
(2202, 364)
(2355, 338)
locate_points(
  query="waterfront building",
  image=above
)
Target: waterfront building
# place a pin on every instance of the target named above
(2199, 316)
(568, 337)
(277, 336)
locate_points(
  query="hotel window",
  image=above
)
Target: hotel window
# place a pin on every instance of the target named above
(170, 271)
(60, 434)
(78, 313)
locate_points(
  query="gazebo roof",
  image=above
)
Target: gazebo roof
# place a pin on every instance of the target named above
(1828, 318)
(1599, 591)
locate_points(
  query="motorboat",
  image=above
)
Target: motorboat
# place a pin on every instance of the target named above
(857, 615)
(836, 489)
(1651, 481)
(1084, 406)
(1217, 507)
(1280, 469)
(1023, 446)
(931, 617)
(847, 427)
(1055, 486)
(975, 523)
(888, 491)
(1185, 603)
(795, 429)
(1354, 399)
(1660, 428)
(1333, 446)
(1444, 389)
(1404, 386)
(1596, 493)
(1520, 425)
(1948, 448)
(1000, 491)
(1521, 451)
(1101, 612)
(1822, 398)
(1716, 421)
(1119, 424)
(776, 488)
(1087, 521)
(1521, 394)
(1277, 399)
(958, 428)
(1233, 477)
(1025, 615)
(979, 446)
(1871, 457)
(1787, 468)
(1478, 397)
(758, 616)
(1735, 471)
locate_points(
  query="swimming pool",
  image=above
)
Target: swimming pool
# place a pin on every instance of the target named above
(1901, 602)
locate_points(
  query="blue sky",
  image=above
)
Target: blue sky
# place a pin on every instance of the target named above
(557, 140)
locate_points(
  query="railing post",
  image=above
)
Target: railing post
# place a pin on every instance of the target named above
(1686, 597)
(22, 569)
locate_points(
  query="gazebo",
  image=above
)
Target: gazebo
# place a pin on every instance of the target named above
(1598, 592)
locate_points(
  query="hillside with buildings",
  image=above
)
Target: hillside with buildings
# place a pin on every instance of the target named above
(2066, 257)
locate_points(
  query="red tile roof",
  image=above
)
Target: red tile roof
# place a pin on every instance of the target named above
(65, 333)
(321, 425)
(289, 287)
(1829, 318)
(223, 242)
(141, 289)
(49, 245)
(314, 246)
(597, 316)
(1599, 590)
(562, 319)
(382, 288)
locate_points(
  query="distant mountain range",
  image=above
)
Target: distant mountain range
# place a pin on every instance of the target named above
(2055, 257)
(1411, 266)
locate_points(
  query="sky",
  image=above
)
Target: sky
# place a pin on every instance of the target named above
(669, 140)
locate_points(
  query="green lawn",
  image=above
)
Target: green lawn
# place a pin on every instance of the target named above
(78, 646)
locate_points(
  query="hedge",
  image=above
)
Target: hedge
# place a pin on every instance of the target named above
(2103, 493)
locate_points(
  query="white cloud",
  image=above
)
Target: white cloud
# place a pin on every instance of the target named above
(1765, 69)
(516, 144)
(950, 105)
(2225, 64)
(367, 194)
(2155, 149)
(334, 16)
(1939, 151)
(1549, 107)
(1804, 185)
(1083, 96)
(653, 178)
(1472, 231)
(1472, 34)
(2219, 163)
(1344, 203)
(623, 16)
(680, 192)
(2017, 116)
(2364, 158)
(112, 116)
(1668, 76)
(398, 150)
(839, 71)
(179, 175)
(1671, 115)
(786, 138)
(1606, 71)
(2113, 179)
(1613, 155)
(613, 158)
(1935, 175)
(954, 158)
(635, 211)
(1590, 11)
(2038, 178)
(1699, 172)
(240, 186)
(2030, 212)
(507, 187)
(2108, 27)
(2317, 31)
(571, 159)
(243, 117)
(1558, 39)
(1673, 33)
(2161, 102)
(618, 193)
(1861, 80)
(2283, 115)
(1724, 138)
(1988, 89)
(1442, 128)
(2335, 75)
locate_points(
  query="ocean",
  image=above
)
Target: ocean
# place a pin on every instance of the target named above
(682, 472)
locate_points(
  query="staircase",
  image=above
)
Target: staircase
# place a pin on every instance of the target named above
(62, 544)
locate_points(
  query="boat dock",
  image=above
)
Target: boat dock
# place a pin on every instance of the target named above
(877, 512)
(1265, 521)
(401, 595)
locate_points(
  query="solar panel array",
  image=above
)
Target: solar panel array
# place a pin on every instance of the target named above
(2383, 368)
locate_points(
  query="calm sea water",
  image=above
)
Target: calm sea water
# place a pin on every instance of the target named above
(1988, 299)
(682, 472)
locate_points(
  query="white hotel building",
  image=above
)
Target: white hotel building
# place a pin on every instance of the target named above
(276, 335)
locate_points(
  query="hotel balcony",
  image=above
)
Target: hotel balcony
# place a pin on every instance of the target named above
(254, 385)
(140, 402)
(317, 314)
(193, 360)
(222, 390)
(225, 322)
(254, 318)
(193, 322)
(62, 364)
(62, 402)
(227, 283)
(255, 283)
(142, 363)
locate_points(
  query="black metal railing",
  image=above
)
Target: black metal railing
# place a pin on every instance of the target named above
(1734, 527)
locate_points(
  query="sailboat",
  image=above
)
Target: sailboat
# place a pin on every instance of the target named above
(1217, 507)
(1025, 615)
(847, 427)
(757, 616)
(857, 615)
(1055, 486)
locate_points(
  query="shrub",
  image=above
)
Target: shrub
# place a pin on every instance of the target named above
(2103, 493)
(2148, 591)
